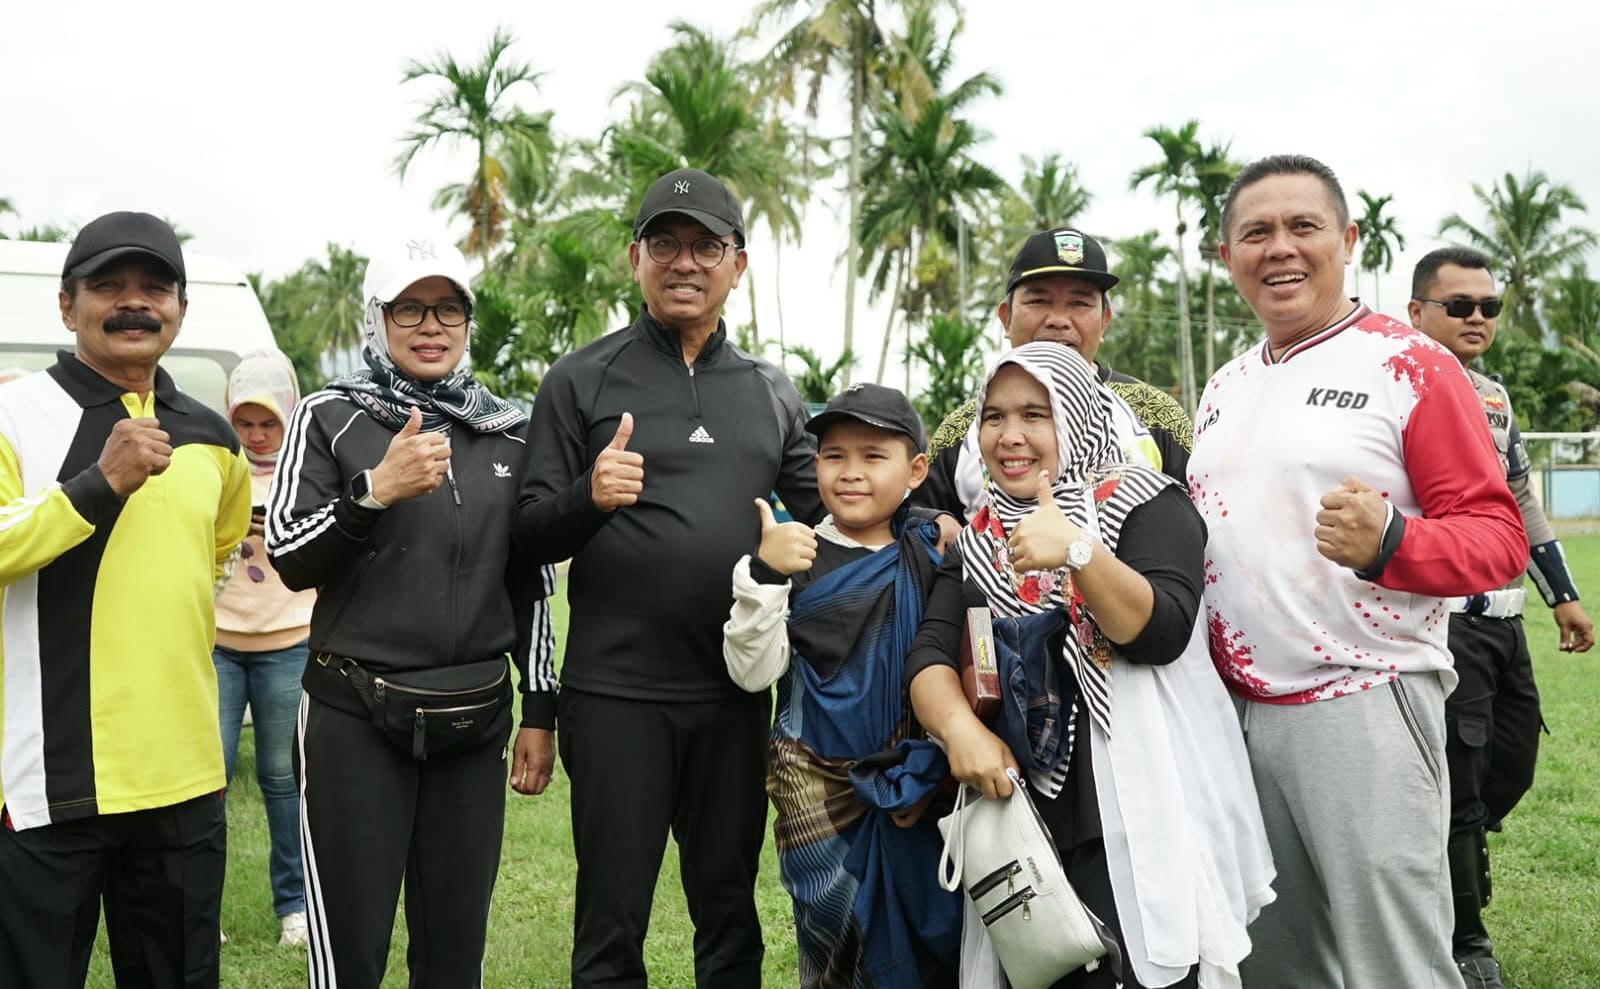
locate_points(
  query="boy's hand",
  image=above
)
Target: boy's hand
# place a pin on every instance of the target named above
(1040, 540)
(787, 547)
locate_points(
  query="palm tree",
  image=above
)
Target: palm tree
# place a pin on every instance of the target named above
(6, 207)
(1525, 235)
(1052, 192)
(324, 300)
(952, 351)
(817, 382)
(1138, 342)
(921, 175)
(472, 107)
(1574, 307)
(1380, 239)
(842, 35)
(1174, 175)
(1214, 172)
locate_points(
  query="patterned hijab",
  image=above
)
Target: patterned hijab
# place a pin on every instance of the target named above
(265, 378)
(388, 395)
(1094, 487)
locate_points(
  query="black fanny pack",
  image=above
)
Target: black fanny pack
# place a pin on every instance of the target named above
(436, 712)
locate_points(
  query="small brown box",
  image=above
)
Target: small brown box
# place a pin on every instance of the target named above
(980, 671)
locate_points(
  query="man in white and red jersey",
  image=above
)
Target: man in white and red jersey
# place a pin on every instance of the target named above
(1349, 486)
(1492, 717)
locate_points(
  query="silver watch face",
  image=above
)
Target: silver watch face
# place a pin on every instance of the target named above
(1078, 553)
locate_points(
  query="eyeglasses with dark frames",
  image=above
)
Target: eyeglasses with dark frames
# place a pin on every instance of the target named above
(408, 314)
(707, 252)
(1462, 308)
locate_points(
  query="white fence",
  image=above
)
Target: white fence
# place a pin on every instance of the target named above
(1566, 473)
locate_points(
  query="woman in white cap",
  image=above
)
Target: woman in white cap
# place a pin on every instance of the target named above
(261, 636)
(394, 498)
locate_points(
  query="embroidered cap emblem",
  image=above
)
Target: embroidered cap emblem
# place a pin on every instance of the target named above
(421, 250)
(681, 187)
(1069, 246)
(501, 470)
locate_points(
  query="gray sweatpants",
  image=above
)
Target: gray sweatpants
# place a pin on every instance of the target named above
(1355, 795)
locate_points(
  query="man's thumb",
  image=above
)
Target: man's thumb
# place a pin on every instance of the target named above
(767, 521)
(1356, 485)
(624, 431)
(413, 424)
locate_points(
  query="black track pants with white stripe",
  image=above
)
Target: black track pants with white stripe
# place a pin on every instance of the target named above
(372, 817)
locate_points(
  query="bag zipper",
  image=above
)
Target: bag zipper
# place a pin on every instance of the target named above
(380, 685)
(993, 879)
(1010, 903)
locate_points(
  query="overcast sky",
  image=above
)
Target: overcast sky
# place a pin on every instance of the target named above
(267, 130)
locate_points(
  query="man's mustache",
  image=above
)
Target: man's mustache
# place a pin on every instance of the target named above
(131, 321)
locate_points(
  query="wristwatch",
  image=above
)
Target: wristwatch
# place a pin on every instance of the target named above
(361, 492)
(1079, 551)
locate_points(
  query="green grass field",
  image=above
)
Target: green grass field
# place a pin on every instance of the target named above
(1545, 918)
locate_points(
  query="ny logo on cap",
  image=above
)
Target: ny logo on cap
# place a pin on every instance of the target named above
(421, 250)
(1069, 246)
(681, 187)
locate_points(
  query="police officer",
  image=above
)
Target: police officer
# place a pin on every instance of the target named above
(1492, 718)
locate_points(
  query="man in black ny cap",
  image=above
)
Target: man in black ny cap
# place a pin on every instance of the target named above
(645, 449)
(125, 501)
(1057, 290)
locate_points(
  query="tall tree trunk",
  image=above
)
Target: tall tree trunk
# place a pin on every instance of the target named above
(1185, 334)
(858, 99)
(755, 327)
(777, 288)
(888, 327)
(1211, 319)
(483, 201)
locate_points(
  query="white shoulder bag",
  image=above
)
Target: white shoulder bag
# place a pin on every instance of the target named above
(1001, 852)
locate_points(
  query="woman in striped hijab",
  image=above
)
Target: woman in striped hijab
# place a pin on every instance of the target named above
(1127, 738)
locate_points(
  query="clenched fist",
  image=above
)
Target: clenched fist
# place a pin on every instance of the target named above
(415, 463)
(1350, 526)
(787, 547)
(135, 450)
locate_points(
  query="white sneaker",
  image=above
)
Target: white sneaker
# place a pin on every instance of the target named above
(294, 930)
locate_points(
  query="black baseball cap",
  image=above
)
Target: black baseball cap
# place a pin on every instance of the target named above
(875, 405)
(1061, 251)
(114, 235)
(696, 195)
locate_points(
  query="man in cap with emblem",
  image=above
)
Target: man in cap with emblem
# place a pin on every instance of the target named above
(1492, 717)
(1057, 292)
(125, 501)
(645, 450)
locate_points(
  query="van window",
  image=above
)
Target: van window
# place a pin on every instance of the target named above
(202, 374)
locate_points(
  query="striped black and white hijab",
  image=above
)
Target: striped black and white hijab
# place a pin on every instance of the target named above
(1095, 488)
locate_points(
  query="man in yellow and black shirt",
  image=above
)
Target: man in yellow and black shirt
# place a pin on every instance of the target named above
(122, 502)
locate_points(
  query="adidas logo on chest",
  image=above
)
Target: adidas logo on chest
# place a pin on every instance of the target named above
(700, 436)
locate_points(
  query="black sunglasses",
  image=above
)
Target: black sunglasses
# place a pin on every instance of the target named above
(1462, 308)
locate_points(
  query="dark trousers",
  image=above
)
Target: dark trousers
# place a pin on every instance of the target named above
(1492, 720)
(374, 817)
(160, 874)
(638, 770)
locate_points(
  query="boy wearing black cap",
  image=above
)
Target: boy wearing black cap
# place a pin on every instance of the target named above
(832, 612)
(125, 501)
(645, 449)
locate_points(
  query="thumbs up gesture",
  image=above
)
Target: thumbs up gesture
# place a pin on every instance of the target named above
(1040, 540)
(1350, 525)
(787, 547)
(618, 474)
(415, 463)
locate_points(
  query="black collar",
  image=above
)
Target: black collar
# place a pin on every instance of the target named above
(88, 388)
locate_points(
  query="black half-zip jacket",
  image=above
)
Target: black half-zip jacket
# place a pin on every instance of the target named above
(427, 582)
(651, 583)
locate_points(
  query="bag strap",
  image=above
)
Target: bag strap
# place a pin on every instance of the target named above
(950, 878)
(951, 866)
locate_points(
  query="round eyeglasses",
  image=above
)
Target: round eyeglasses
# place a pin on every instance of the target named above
(707, 252)
(409, 314)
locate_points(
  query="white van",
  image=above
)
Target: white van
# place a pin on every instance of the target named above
(224, 321)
